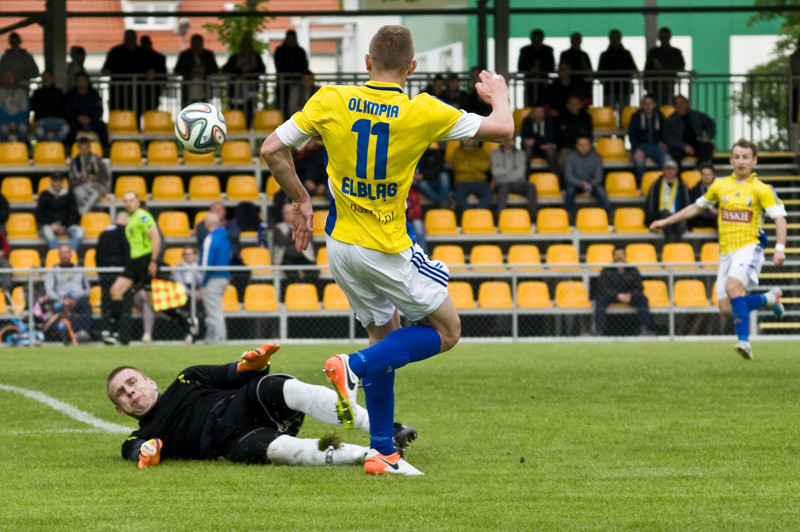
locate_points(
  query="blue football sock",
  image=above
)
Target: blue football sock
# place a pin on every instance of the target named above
(755, 301)
(379, 397)
(741, 317)
(400, 347)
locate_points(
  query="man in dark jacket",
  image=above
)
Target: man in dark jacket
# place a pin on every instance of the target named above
(662, 67)
(83, 109)
(124, 62)
(620, 284)
(576, 122)
(431, 179)
(539, 137)
(47, 104)
(154, 65)
(667, 196)
(536, 60)
(112, 250)
(195, 64)
(618, 62)
(57, 214)
(646, 133)
(290, 62)
(689, 133)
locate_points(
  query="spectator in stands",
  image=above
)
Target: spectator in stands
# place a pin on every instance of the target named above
(536, 60)
(539, 137)
(437, 87)
(19, 60)
(123, 63)
(646, 133)
(474, 103)
(689, 133)
(301, 92)
(510, 176)
(111, 251)
(310, 167)
(453, 93)
(216, 252)
(563, 88)
(5, 251)
(583, 173)
(245, 66)
(414, 214)
(88, 177)
(47, 104)
(621, 284)
(708, 218)
(195, 64)
(662, 67)
(618, 63)
(576, 122)
(232, 229)
(75, 67)
(57, 214)
(84, 110)
(471, 174)
(286, 254)
(290, 62)
(579, 61)
(154, 65)
(13, 108)
(430, 179)
(667, 195)
(71, 290)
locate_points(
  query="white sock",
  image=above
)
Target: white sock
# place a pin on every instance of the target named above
(288, 450)
(319, 402)
(771, 299)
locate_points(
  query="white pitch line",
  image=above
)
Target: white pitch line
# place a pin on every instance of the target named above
(64, 408)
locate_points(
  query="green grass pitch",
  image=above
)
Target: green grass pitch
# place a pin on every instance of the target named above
(611, 436)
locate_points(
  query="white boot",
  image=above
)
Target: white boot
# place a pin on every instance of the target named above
(288, 450)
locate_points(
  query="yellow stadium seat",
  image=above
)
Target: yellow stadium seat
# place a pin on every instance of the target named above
(690, 177)
(301, 296)
(477, 222)
(494, 294)
(603, 117)
(533, 294)
(513, 221)
(599, 254)
(267, 120)
(126, 153)
(689, 293)
(23, 259)
(21, 225)
(710, 253)
(462, 295)
(49, 153)
(234, 121)
(236, 152)
(656, 293)
(230, 299)
(242, 188)
(562, 254)
(257, 256)
(440, 222)
(162, 152)
(204, 187)
(17, 189)
(612, 149)
(489, 147)
(51, 259)
(621, 185)
(629, 220)
(94, 147)
(96, 299)
(90, 261)
(627, 113)
(591, 220)
(206, 159)
(260, 298)
(524, 254)
(173, 256)
(199, 217)
(450, 148)
(451, 255)
(678, 252)
(19, 299)
(95, 223)
(572, 294)
(649, 177)
(546, 184)
(486, 254)
(333, 298)
(641, 253)
(44, 184)
(667, 110)
(3, 306)
(272, 187)
(174, 223)
(318, 222)
(130, 183)
(168, 188)
(122, 122)
(519, 116)
(13, 154)
(157, 122)
(322, 260)
(552, 220)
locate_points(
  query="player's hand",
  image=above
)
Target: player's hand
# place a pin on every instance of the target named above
(657, 225)
(257, 359)
(302, 223)
(150, 453)
(492, 88)
(778, 257)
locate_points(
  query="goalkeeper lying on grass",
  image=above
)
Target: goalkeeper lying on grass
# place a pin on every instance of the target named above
(237, 412)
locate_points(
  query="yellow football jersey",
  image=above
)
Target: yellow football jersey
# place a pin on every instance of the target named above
(374, 136)
(741, 208)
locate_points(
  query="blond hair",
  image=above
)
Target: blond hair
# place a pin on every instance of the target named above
(392, 49)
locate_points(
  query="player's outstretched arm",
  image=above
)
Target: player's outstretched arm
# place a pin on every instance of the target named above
(780, 236)
(257, 359)
(687, 212)
(499, 125)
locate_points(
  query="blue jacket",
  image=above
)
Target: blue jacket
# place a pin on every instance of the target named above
(216, 252)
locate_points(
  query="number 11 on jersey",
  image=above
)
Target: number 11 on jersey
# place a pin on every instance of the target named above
(364, 128)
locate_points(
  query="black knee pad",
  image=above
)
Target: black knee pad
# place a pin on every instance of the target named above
(268, 393)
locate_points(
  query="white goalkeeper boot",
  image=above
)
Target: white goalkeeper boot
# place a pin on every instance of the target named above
(288, 450)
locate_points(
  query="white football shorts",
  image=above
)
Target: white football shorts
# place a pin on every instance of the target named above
(743, 264)
(376, 283)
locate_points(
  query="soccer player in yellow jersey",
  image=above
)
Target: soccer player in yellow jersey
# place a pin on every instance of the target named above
(742, 200)
(374, 135)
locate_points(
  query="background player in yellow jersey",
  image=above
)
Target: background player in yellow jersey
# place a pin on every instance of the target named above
(742, 200)
(374, 135)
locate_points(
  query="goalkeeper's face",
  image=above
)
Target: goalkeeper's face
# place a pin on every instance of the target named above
(133, 393)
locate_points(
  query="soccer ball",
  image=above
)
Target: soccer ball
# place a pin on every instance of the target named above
(200, 128)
